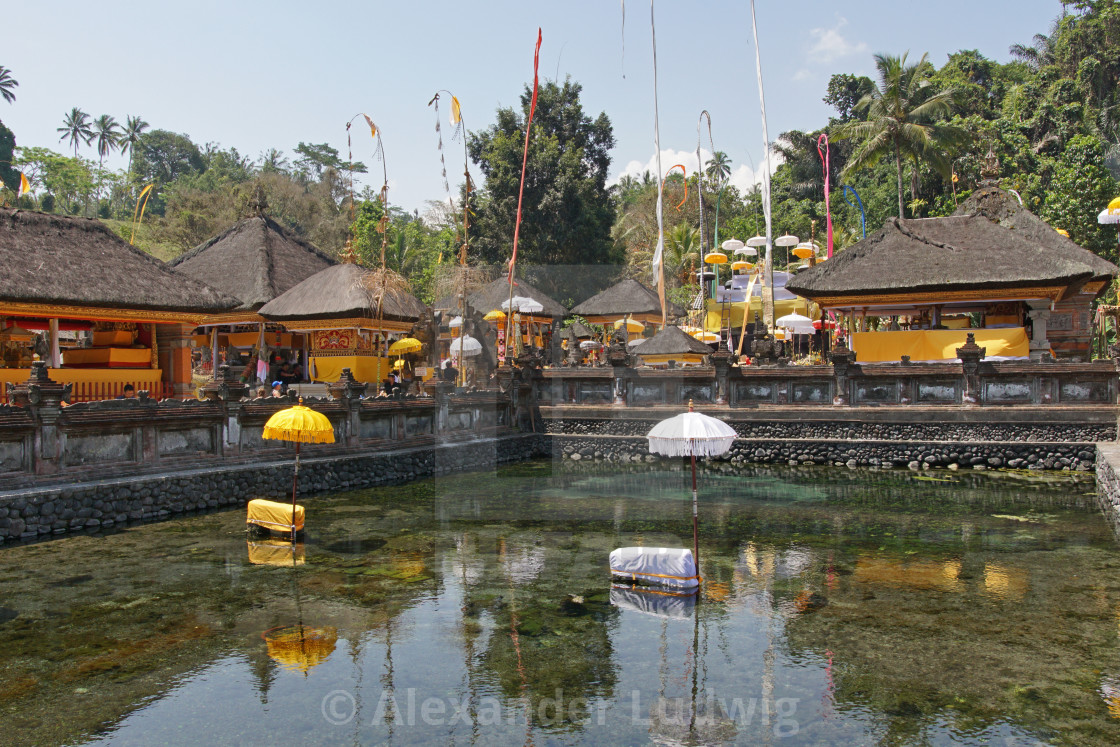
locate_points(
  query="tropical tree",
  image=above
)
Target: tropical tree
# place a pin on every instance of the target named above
(76, 129)
(7, 83)
(133, 129)
(718, 168)
(107, 133)
(274, 161)
(902, 113)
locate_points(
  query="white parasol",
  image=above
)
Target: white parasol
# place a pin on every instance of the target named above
(691, 434)
(524, 305)
(456, 322)
(796, 322)
(465, 346)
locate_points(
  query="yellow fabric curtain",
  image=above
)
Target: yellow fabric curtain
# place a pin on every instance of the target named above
(937, 344)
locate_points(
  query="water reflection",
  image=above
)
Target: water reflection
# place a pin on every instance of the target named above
(839, 607)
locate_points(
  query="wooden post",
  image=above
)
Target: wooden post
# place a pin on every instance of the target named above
(55, 353)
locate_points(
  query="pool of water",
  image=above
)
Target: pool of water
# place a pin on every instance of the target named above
(838, 607)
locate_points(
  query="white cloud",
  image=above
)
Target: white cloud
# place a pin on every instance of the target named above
(742, 176)
(802, 74)
(669, 157)
(830, 45)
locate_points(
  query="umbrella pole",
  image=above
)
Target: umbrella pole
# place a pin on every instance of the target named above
(695, 521)
(295, 483)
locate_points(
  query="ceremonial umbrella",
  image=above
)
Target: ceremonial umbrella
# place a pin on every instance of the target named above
(497, 315)
(691, 434)
(405, 345)
(465, 346)
(798, 323)
(302, 425)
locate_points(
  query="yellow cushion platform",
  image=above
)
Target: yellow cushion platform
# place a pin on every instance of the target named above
(273, 515)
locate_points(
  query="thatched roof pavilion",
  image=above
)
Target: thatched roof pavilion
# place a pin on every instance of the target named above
(936, 260)
(492, 295)
(77, 268)
(672, 343)
(341, 293)
(61, 272)
(254, 260)
(339, 307)
(628, 298)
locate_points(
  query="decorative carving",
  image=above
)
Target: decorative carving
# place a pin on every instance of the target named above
(347, 387)
(970, 355)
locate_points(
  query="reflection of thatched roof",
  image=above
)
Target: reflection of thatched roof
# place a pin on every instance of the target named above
(54, 259)
(627, 297)
(999, 206)
(672, 341)
(939, 255)
(492, 295)
(340, 292)
(254, 260)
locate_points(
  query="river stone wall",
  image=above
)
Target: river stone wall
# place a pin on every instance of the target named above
(914, 454)
(1108, 482)
(33, 512)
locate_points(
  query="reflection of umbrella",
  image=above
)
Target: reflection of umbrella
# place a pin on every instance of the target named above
(302, 425)
(465, 346)
(405, 345)
(691, 434)
(299, 647)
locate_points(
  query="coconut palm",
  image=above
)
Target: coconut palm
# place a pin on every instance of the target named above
(902, 113)
(107, 133)
(7, 83)
(682, 252)
(76, 129)
(133, 128)
(718, 168)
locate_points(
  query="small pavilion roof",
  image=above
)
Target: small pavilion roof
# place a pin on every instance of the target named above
(339, 292)
(492, 295)
(64, 260)
(672, 341)
(627, 297)
(254, 260)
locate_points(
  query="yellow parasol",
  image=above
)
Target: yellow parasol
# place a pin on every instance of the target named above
(301, 425)
(708, 337)
(405, 345)
(497, 315)
(632, 325)
(299, 648)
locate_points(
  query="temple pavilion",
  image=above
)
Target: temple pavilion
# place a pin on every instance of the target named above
(99, 311)
(993, 269)
(255, 260)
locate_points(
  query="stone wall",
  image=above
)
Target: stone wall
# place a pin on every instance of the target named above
(913, 454)
(34, 512)
(1108, 483)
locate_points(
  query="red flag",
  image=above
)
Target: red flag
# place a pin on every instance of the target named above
(827, 187)
(525, 155)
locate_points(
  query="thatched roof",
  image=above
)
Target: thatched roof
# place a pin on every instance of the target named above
(255, 260)
(1000, 206)
(54, 259)
(962, 252)
(339, 292)
(582, 331)
(626, 297)
(672, 341)
(492, 295)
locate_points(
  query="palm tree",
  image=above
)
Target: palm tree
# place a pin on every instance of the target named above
(682, 252)
(133, 128)
(76, 129)
(108, 134)
(7, 83)
(273, 160)
(901, 120)
(718, 168)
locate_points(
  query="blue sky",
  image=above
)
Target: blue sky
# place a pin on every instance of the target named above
(256, 75)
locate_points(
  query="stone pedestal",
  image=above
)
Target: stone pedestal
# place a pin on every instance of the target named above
(1039, 314)
(43, 397)
(842, 360)
(971, 354)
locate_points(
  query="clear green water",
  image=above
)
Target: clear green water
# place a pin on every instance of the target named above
(839, 607)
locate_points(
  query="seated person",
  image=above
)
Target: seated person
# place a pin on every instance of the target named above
(387, 385)
(287, 374)
(277, 389)
(129, 392)
(262, 393)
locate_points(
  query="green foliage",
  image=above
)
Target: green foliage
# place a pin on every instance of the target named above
(7, 83)
(76, 128)
(68, 181)
(567, 213)
(1080, 187)
(160, 157)
(316, 158)
(9, 174)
